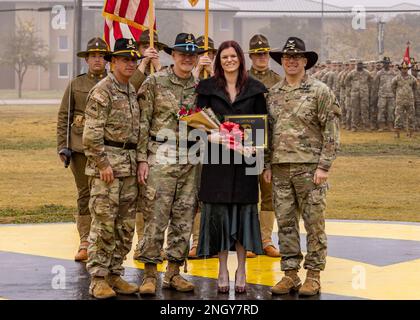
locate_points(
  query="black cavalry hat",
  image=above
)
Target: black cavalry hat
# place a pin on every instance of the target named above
(124, 48)
(185, 42)
(295, 45)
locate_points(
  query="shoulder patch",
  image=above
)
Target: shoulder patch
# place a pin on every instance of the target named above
(100, 97)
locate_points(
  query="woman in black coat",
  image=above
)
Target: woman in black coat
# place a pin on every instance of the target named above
(229, 217)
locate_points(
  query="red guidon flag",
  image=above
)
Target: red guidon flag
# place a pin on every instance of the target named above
(407, 54)
(193, 2)
(125, 19)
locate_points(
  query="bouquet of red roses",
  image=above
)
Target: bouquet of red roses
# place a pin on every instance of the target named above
(198, 118)
(231, 135)
(187, 111)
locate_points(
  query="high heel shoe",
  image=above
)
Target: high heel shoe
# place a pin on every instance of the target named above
(223, 289)
(240, 289)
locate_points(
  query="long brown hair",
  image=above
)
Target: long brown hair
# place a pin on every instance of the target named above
(219, 73)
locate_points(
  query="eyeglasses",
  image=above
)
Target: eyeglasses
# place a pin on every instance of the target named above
(288, 57)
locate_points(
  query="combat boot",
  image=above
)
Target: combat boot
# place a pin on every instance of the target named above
(100, 289)
(397, 134)
(289, 282)
(119, 285)
(390, 126)
(82, 255)
(312, 284)
(148, 286)
(174, 280)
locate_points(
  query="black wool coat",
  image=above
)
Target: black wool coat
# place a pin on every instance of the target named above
(228, 183)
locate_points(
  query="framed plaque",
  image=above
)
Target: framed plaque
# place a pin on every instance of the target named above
(255, 128)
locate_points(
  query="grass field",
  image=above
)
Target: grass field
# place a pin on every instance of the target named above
(375, 176)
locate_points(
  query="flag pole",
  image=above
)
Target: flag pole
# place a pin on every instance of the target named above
(206, 33)
(151, 30)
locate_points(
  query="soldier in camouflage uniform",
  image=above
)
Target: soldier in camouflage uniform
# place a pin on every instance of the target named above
(150, 57)
(404, 87)
(359, 81)
(170, 193)
(74, 101)
(415, 74)
(386, 97)
(259, 49)
(374, 94)
(110, 141)
(348, 105)
(342, 87)
(304, 117)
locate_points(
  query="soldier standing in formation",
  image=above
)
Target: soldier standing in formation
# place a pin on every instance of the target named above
(71, 119)
(404, 87)
(373, 98)
(110, 140)
(304, 116)
(359, 81)
(415, 73)
(386, 97)
(259, 49)
(170, 192)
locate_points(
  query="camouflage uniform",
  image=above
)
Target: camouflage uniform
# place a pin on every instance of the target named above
(373, 101)
(359, 83)
(404, 88)
(76, 94)
(112, 117)
(269, 78)
(305, 136)
(170, 196)
(341, 83)
(386, 98)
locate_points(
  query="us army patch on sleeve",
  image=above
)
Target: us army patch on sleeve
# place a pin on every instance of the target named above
(100, 97)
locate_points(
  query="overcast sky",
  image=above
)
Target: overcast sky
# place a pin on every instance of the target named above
(369, 2)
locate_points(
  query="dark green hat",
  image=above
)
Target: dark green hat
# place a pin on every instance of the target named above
(386, 60)
(124, 48)
(94, 45)
(259, 44)
(200, 44)
(295, 45)
(145, 39)
(185, 42)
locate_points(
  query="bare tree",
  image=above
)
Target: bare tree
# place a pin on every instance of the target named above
(24, 49)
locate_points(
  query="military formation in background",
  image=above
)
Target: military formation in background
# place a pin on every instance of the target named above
(374, 95)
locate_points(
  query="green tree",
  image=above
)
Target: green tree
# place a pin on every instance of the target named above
(24, 49)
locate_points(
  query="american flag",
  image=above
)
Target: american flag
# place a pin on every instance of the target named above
(125, 19)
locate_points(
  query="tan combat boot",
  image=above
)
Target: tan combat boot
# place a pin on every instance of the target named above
(312, 284)
(82, 255)
(174, 280)
(289, 282)
(148, 286)
(100, 289)
(119, 285)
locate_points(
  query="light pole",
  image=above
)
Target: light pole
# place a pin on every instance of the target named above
(77, 41)
(322, 30)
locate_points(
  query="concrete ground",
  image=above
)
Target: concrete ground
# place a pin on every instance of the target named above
(366, 260)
